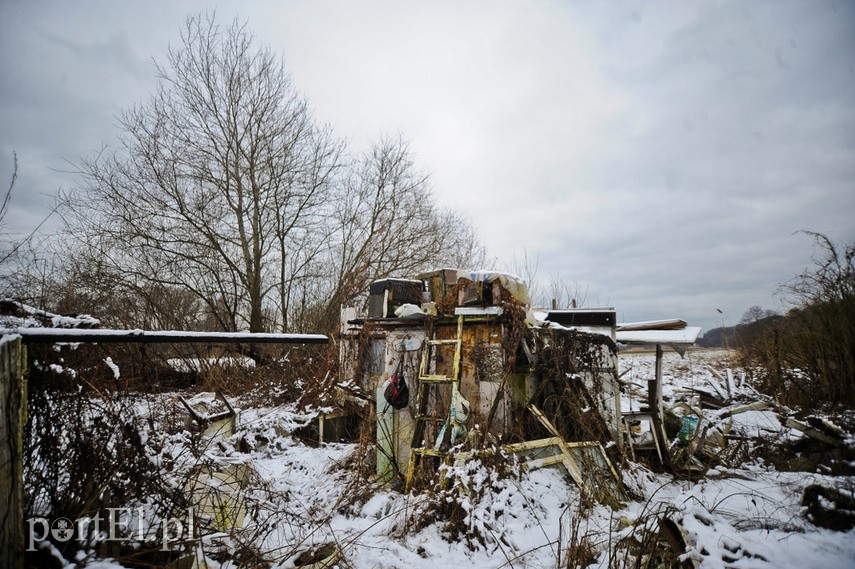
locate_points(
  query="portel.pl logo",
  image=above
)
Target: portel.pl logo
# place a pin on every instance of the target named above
(119, 525)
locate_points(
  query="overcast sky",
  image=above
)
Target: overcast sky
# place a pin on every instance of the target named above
(660, 155)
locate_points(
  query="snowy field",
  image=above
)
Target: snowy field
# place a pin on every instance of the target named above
(303, 499)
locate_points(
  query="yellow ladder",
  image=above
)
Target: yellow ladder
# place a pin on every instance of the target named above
(426, 381)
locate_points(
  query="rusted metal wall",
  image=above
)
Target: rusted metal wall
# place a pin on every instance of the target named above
(481, 372)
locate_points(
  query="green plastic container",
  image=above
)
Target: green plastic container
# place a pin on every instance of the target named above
(687, 430)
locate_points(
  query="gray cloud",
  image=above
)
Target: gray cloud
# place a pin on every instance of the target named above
(662, 155)
(723, 154)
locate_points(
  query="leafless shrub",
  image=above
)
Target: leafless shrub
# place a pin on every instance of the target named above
(580, 549)
(84, 453)
(566, 359)
(807, 358)
(455, 491)
(650, 542)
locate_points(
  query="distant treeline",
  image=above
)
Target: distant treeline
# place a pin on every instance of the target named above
(740, 335)
(807, 356)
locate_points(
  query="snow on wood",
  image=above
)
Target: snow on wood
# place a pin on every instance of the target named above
(9, 338)
(14, 314)
(731, 385)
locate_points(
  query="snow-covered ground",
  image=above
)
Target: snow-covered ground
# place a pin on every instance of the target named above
(741, 514)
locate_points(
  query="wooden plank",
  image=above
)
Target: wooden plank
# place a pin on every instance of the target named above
(532, 445)
(573, 450)
(545, 462)
(756, 406)
(544, 421)
(13, 416)
(514, 448)
(731, 385)
(717, 386)
(813, 433)
(567, 459)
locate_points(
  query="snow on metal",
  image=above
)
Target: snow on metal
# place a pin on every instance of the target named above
(52, 335)
(687, 335)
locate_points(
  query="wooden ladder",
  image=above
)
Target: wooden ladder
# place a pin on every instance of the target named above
(427, 381)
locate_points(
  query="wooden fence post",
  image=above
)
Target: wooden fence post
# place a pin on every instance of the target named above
(13, 417)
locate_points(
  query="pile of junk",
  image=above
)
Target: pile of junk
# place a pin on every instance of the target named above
(449, 360)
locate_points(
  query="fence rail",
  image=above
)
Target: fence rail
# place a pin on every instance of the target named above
(101, 336)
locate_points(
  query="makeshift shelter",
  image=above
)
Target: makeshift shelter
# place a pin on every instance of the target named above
(478, 364)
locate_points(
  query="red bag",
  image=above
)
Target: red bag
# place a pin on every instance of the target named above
(397, 393)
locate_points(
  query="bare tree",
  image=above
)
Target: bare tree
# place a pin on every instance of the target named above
(386, 223)
(564, 293)
(216, 184)
(8, 247)
(557, 292)
(24, 258)
(832, 278)
(7, 197)
(753, 314)
(224, 186)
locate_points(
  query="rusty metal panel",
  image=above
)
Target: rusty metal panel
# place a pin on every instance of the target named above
(482, 371)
